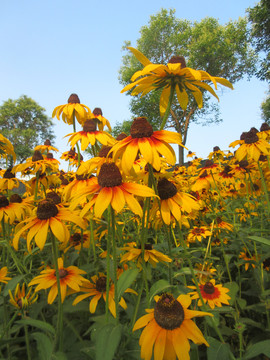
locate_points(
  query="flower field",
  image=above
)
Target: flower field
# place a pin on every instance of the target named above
(127, 255)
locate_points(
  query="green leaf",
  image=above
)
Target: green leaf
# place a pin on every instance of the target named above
(262, 347)
(59, 356)
(158, 287)
(42, 325)
(11, 285)
(44, 346)
(260, 240)
(125, 280)
(107, 341)
(233, 287)
(218, 351)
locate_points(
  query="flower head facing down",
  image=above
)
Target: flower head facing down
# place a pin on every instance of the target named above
(173, 77)
(72, 109)
(168, 328)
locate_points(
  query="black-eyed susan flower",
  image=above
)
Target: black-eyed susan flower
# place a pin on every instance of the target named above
(89, 135)
(77, 185)
(221, 224)
(46, 147)
(151, 145)
(3, 275)
(173, 77)
(7, 210)
(78, 241)
(173, 202)
(70, 277)
(252, 147)
(22, 300)
(168, 328)
(36, 163)
(97, 290)
(94, 164)
(72, 109)
(198, 233)
(150, 255)
(212, 294)
(9, 181)
(48, 218)
(6, 148)
(101, 120)
(109, 189)
(249, 259)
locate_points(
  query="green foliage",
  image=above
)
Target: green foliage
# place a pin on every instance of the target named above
(25, 124)
(259, 16)
(265, 107)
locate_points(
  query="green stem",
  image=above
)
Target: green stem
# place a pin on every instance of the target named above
(77, 146)
(59, 327)
(36, 187)
(108, 263)
(264, 187)
(114, 265)
(26, 335)
(167, 112)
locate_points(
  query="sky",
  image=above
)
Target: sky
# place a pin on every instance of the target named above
(52, 48)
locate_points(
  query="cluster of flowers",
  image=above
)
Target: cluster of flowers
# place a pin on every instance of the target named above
(131, 183)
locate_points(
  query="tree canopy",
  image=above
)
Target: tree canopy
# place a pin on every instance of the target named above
(221, 50)
(25, 124)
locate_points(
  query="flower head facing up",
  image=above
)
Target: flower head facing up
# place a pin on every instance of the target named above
(214, 295)
(69, 277)
(72, 109)
(173, 77)
(3, 275)
(168, 328)
(252, 146)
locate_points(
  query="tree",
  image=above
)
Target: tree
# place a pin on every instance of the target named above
(221, 50)
(25, 124)
(265, 107)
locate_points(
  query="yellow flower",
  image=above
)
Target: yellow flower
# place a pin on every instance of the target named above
(48, 217)
(198, 233)
(109, 189)
(72, 109)
(213, 294)
(89, 135)
(37, 163)
(97, 289)
(151, 145)
(253, 147)
(6, 148)
(69, 277)
(3, 275)
(21, 300)
(168, 328)
(102, 121)
(46, 147)
(174, 76)
(150, 254)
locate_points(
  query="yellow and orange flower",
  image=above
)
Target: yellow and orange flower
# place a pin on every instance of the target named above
(252, 147)
(151, 145)
(48, 217)
(213, 294)
(102, 121)
(168, 328)
(198, 233)
(173, 77)
(69, 277)
(135, 254)
(109, 189)
(97, 289)
(46, 147)
(3, 275)
(73, 109)
(6, 148)
(22, 300)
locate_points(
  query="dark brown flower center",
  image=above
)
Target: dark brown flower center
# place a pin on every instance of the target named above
(97, 111)
(52, 195)
(251, 137)
(141, 128)
(15, 198)
(203, 175)
(47, 142)
(147, 246)
(104, 151)
(121, 136)
(101, 284)
(178, 60)
(83, 177)
(19, 303)
(89, 125)
(37, 156)
(166, 189)
(266, 263)
(3, 201)
(216, 148)
(46, 209)
(49, 156)
(209, 288)
(169, 313)
(109, 175)
(264, 127)
(75, 239)
(9, 174)
(74, 99)
(219, 220)
(243, 163)
(63, 273)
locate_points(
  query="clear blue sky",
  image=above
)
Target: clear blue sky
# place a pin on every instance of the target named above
(52, 48)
